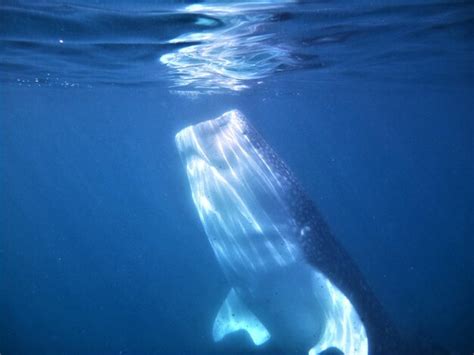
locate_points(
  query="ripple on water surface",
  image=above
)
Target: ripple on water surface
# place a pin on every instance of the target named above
(230, 47)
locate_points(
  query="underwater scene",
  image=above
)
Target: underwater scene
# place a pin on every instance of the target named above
(232, 177)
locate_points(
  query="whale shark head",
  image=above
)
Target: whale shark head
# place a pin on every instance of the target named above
(212, 141)
(237, 194)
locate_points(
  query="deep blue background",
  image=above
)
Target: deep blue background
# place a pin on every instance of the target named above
(101, 248)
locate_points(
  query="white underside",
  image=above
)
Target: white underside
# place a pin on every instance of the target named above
(234, 316)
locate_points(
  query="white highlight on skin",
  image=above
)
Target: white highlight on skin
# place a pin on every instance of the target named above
(231, 186)
(344, 329)
(233, 316)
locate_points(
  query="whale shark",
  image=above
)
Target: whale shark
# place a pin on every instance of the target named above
(290, 280)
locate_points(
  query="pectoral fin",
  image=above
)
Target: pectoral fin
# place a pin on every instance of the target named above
(344, 331)
(233, 316)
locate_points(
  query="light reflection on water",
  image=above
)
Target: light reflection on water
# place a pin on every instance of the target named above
(228, 47)
(231, 57)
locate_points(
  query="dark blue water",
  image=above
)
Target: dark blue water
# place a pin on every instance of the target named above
(101, 249)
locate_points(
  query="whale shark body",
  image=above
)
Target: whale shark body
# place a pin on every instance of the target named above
(291, 281)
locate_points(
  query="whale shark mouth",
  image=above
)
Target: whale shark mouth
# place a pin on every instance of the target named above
(255, 217)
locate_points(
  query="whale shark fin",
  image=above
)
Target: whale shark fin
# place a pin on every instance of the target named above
(344, 331)
(233, 316)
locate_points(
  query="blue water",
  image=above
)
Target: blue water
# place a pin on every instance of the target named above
(101, 249)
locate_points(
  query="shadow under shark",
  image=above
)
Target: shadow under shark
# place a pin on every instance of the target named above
(291, 281)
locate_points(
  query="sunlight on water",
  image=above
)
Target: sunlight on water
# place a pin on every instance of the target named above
(229, 58)
(227, 47)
